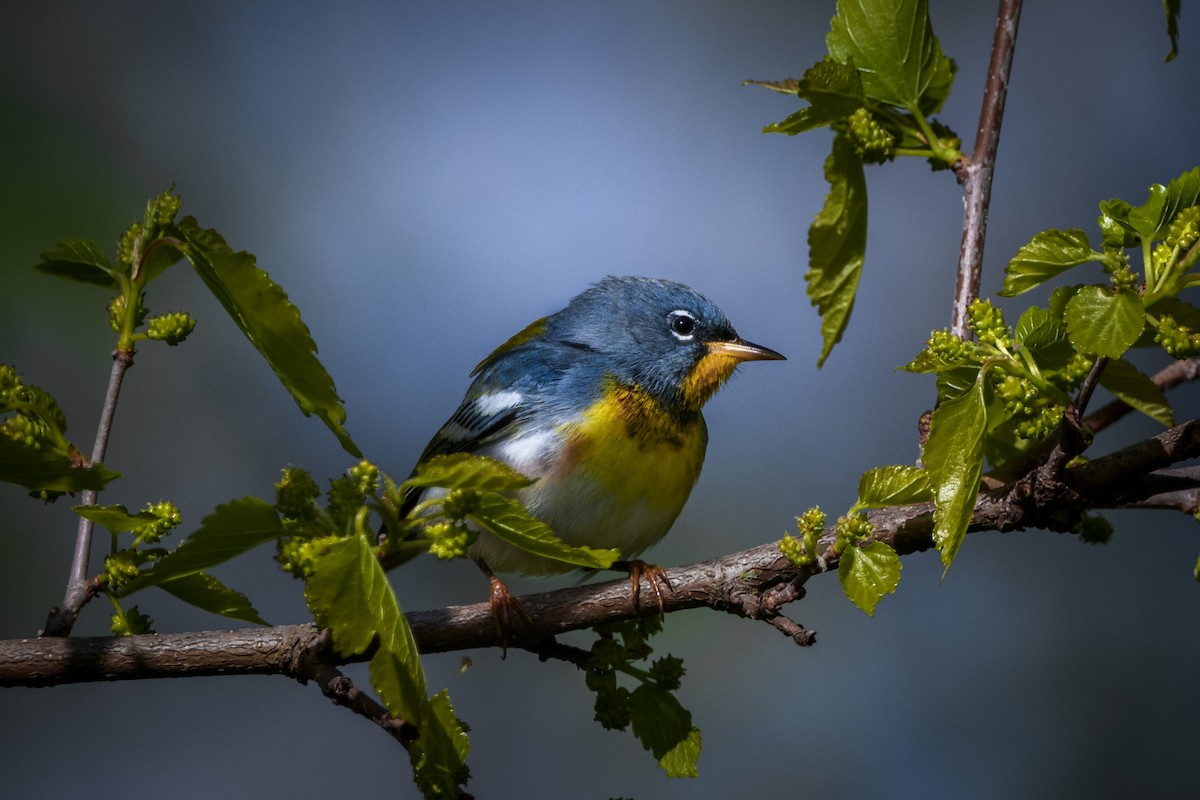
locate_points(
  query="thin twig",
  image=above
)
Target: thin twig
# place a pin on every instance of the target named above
(79, 589)
(975, 174)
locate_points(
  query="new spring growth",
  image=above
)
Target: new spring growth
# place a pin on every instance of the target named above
(987, 323)
(170, 328)
(873, 143)
(38, 422)
(295, 496)
(166, 518)
(447, 539)
(852, 529)
(131, 622)
(348, 493)
(802, 550)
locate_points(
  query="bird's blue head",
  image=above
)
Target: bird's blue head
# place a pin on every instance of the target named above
(662, 336)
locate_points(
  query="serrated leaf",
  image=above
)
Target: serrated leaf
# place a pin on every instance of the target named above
(680, 760)
(264, 314)
(1104, 323)
(348, 593)
(1136, 389)
(1042, 333)
(508, 520)
(1151, 219)
(439, 756)
(1046, 255)
(232, 529)
(466, 471)
(115, 518)
(837, 243)
(891, 43)
(204, 591)
(659, 722)
(834, 91)
(47, 470)
(893, 485)
(79, 260)
(868, 573)
(953, 456)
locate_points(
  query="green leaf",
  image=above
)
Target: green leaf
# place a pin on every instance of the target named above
(1042, 333)
(232, 529)
(785, 86)
(957, 381)
(680, 760)
(1171, 10)
(46, 470)
(837, 243)
(1151, 219)
(1047, 254)
(115, 518)
(466, 471)
(1135, 388)
(893, 486)
(891, 42)
(659, 722)
(953, 455)
(508, 519)
(834, 91)
(348, 593)
(1104, 323)
(1115, 227)
(868, 573)
(929, 361)
(204, 591)
(79, 260)
(440, 755)
(264, 314)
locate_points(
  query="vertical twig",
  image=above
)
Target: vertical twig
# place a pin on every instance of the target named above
(975, 174)
(79, 590)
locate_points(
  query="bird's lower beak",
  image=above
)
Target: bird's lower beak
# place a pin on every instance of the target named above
(744, 351)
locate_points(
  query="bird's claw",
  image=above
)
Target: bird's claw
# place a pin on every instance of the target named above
(655, 575)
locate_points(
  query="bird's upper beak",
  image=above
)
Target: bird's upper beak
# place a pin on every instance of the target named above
(744, 351)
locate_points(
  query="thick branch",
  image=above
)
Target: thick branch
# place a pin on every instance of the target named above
(975, 174)
(754, 583)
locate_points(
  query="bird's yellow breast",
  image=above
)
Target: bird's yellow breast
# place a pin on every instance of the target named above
(637, 450)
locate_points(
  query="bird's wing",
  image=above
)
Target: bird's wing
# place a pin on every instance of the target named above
(482, 417)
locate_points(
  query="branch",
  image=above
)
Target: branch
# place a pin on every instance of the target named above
(975, 174)
(79, 589)
(754, 583)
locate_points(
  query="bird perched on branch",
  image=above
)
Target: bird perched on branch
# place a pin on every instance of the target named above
(599, 404)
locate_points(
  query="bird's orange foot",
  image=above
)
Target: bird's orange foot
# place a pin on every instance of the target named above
(655, 575)
(503, 606)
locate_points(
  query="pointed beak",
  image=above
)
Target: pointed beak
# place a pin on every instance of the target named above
(744, 351)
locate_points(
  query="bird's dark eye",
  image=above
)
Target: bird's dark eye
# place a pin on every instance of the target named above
(683, 324)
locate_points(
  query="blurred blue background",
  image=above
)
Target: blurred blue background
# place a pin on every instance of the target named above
(426, 178)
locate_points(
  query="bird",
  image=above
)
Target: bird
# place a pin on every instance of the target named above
(600, 405)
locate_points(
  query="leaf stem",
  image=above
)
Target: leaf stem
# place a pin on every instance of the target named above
(62, 619)
(975, 173)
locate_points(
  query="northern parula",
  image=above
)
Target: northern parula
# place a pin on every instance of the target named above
(599, 403)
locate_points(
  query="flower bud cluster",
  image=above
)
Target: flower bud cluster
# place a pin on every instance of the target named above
(874, 143)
